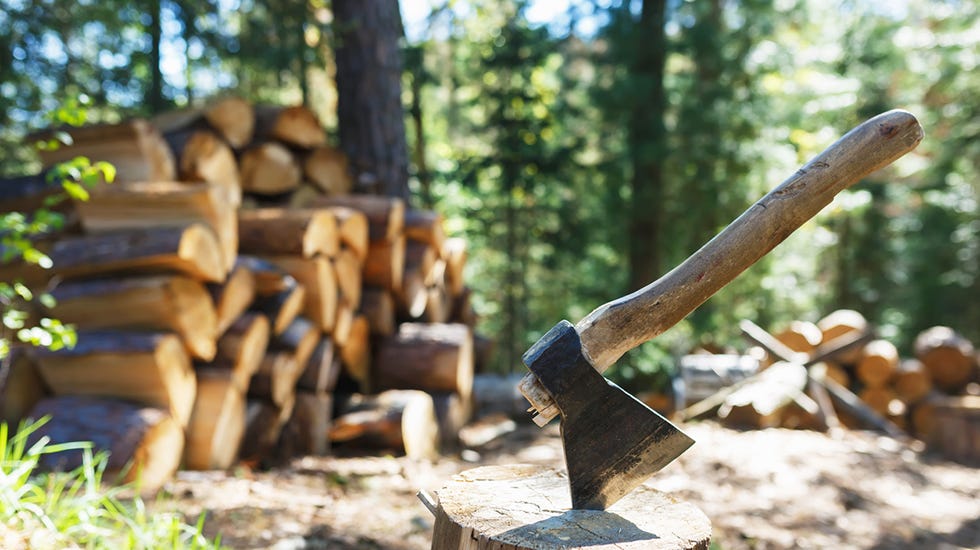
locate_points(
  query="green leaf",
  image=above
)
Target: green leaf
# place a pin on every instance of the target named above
(76, 191)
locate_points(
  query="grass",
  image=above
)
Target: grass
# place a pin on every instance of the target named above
(75, 509)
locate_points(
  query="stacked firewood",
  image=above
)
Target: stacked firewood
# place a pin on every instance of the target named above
(234, 301)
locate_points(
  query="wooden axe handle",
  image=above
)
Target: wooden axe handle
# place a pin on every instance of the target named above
(622, 324)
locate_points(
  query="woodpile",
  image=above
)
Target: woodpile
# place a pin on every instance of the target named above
(856, 380)
(236, 302)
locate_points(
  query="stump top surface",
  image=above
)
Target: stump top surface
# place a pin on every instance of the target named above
(524, 506)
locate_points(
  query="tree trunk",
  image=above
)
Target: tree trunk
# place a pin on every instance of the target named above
(369, 105)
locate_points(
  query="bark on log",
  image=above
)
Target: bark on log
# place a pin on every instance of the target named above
(263, 427)
(155, 303)
(400, 420)
(305, 433)
(193, 250)
(300, 339)
(523, 507)
(269, 169)
(135, 148)
(385, 263)
(328, 169)
(322, 369)
(878, 363)
(233, 296)
(840, 323)
(242, 348)
(317, 277)
(145, 444)
(149, 368)
(425, 226)
(217, 422)
(347, 269)
(432, 357)
(296, 125)
(912, 382)
(378, 305)
(386, 215)
(20, 389)
(276, 378)
(288, 231)
(145, 205)
(948, 357)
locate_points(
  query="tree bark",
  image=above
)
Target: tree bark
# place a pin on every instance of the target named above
(369, 106)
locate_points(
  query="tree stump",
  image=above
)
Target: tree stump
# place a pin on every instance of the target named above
(521, 506)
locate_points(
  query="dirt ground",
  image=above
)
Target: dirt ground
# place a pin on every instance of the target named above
(761, 489)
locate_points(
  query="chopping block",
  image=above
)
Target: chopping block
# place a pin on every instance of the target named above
(525, 507)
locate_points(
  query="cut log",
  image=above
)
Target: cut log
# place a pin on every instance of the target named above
(923, 416)
(425, 226)
(343, 322)
(801, 336)
(403, 421)
(355, 353)
(757, 402)
(352, 225)
(242, 348)
(328, 169)
(149, 368)
(378, 305)
(317, 277)
(135, 148)
(217, 422)
(912, 382)
(947, 356)
(347, 269)
(233, 118)
(423, 356)
(385, 263)
(193, 250)
(419, 262)
(20, 389)
(276, 378)
(957, 434)
(306, 431)
(438, 304)
(881, 399)
(840, 323)
(296, 125)
(263, 426)
(452, 413)
(145, 205)
(386, 215)
(322, 369)
(203, 157)
(878, 363)
(154, 303)
(476, 510)
(233, 296)
(269, 169)
(300, 339)
(287, 231)
(454, 254)
(279, 296)
(144, 443)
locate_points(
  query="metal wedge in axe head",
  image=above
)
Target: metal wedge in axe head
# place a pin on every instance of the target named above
(612, 441)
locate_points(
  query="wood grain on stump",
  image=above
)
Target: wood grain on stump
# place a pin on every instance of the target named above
(526, 507)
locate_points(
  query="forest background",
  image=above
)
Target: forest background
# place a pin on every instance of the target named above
(585, 147)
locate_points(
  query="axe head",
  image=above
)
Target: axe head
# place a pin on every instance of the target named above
(613, 442)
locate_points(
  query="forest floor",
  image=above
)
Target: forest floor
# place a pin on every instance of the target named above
(761, 489)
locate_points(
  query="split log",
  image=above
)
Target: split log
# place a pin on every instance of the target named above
(347, 269)
(135, 148)
(425, 226)
(149, 368)
(299, 339)
(432, 357)
(801, 336)
(217, 422)
(385, 262)
(306, 430)
(233, 296)
(233, 118)
(343, 322)
(288, 231)
(322, 369)
(296, 125)
(352, 226)
(844, 322)
(269, 169)
(878, 363)
(378, 306)
(275, 380)
(454, 253)
(947, 356)
(155, 303)
(418, 264)
(20, 389)
(438, 304)
(203, 157)
(355, 353)
(329, 170)
(279, 296)
(882, 400)
(912, 382)
(242, 348)
(476, 509)
(144, 443)
(385, 215)
(403, 421)
(317, 277)
(193, 250)
(263, 427)
(145, 205)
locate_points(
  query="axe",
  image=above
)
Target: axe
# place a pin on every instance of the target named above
(612, 441)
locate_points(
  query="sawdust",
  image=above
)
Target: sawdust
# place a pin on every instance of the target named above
(764, 489)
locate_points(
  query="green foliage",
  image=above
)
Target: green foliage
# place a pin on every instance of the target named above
(75, 508)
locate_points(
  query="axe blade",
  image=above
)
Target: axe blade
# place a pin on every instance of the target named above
(613, 442)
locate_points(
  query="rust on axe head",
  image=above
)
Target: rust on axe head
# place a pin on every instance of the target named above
(613, 442)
